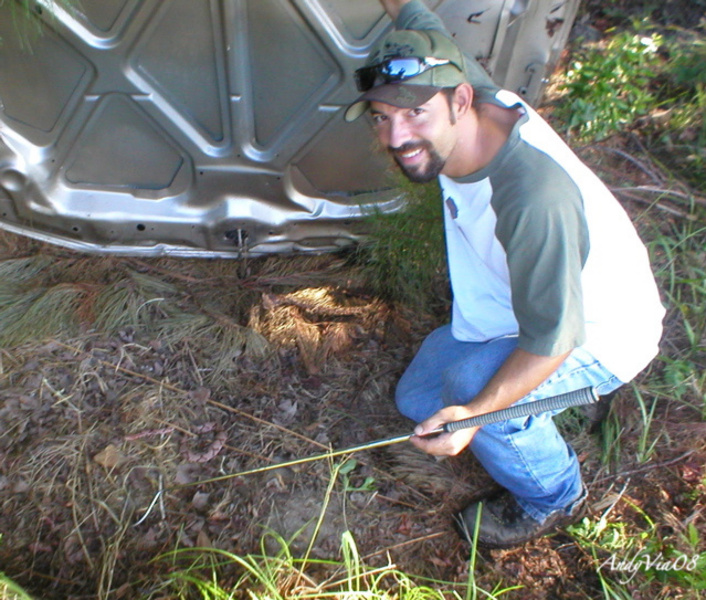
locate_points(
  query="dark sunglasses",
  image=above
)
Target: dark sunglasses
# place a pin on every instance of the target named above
(394, 70)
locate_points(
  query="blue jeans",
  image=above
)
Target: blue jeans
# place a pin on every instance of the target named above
(527, 456)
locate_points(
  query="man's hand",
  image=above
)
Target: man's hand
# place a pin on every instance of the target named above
(518, 376)
(446, 444)
(393, 7)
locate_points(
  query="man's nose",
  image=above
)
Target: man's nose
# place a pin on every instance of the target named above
(399, 133)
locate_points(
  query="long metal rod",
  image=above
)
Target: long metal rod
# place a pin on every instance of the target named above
(576, 398)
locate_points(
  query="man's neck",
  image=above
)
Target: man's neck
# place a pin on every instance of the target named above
(487, 129)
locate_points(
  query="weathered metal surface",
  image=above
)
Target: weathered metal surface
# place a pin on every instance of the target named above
(214, 127)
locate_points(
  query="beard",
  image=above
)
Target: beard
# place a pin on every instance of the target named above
(422, 173)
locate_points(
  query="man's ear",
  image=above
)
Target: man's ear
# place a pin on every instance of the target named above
(463, 99)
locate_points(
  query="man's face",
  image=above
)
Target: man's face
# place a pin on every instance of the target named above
(420, 139)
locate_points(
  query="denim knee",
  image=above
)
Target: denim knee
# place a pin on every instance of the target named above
(459, 388)
(465, 379)
(415, 403)
(403, 400)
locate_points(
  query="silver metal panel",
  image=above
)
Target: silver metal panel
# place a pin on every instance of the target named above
(214, 127)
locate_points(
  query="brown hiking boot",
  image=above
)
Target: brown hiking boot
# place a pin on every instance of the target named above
(504, 524)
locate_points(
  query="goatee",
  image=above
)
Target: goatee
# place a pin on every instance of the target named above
(422, 173)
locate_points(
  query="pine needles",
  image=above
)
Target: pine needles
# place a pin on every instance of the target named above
(40, 313)
(30, 306)
(219, 341)
(211, 310)
(42, 298)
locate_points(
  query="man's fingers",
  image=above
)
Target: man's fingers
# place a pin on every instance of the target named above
(427, 429)
(435, 446)
(444, 444)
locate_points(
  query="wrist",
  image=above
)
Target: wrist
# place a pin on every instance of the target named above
(394, 7)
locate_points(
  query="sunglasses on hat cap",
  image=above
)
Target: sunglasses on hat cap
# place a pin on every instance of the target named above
(395, 70)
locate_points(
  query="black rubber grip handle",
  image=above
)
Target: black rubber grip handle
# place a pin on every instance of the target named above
(576, 398)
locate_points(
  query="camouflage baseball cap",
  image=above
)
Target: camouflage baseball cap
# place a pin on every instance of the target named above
(430, 45)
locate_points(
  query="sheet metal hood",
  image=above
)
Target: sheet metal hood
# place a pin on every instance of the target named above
(215, 128)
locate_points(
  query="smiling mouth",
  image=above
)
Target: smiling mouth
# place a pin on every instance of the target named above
(410, 154)
(407, 152)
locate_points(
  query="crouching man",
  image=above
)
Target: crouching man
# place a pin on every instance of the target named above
(552, 288)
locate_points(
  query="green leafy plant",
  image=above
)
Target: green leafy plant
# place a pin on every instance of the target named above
(607, 85)
(347, 468)
(630, 554)
(675, 134)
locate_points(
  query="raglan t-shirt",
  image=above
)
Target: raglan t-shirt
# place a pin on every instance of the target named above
(540, 249)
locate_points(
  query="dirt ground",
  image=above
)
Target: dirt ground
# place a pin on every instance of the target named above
(94, 426)
(107, 433)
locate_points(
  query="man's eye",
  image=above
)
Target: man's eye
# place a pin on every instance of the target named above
(378, 118)
(415, 112)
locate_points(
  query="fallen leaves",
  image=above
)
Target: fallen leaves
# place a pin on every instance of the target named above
(110, 458)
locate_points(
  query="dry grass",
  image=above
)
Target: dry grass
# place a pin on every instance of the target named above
(117, 402)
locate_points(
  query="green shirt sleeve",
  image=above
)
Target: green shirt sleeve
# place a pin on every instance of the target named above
(415, 15)
(542, 227)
